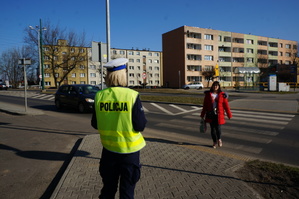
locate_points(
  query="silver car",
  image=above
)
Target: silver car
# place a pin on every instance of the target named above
(194, 85)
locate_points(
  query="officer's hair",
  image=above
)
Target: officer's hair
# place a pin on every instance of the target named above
(116, 78)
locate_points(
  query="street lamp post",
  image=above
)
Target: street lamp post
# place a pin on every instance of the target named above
(39, 30)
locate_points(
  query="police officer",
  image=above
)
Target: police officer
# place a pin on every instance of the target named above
(119, 118)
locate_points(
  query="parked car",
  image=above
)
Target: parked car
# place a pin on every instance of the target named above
(194, 85)
(3, 86)
(79, 96)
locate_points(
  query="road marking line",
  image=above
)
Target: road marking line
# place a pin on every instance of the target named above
(162, 109)
(262, 116)
(263, 113)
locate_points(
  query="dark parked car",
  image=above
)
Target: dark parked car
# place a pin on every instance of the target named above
(79, 96)
(3, 86)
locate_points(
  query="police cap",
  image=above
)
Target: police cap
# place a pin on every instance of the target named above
(116, 64)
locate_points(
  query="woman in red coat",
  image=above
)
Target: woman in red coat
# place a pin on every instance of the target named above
(214, 108)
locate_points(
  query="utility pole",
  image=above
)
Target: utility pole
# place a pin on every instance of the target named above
(108, 29)
(41, 54)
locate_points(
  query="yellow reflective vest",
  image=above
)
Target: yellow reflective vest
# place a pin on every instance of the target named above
(113, 108)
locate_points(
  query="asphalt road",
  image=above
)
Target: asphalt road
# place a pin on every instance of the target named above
(36, 149)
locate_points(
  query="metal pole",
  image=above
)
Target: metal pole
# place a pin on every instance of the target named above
(25, 84)
(41, 52)
(108, 29)
(39, 59)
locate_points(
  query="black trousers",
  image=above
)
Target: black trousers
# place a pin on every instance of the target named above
(215, 129)
(119, 168)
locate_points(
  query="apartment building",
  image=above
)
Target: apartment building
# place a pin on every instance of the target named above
(64, 64)
(191, 54)
(144, 66)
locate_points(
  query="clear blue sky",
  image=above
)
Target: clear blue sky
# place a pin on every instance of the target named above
(141, 23)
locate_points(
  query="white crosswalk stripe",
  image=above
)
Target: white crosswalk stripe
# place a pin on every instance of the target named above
(245, 127)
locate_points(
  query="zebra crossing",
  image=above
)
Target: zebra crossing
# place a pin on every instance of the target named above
(247, 131)
(30, 94)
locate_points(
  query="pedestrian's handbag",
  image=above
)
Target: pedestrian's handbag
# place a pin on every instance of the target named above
(202, 126)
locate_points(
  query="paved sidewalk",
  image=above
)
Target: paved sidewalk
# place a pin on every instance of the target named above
(169, 170)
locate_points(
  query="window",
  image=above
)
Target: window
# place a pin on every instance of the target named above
(82, 74)
(82, 82)
(92, 75)
(47, 83)
(227, 39)
(288, 54)
(93, 82)
(273, 44)
(138, 60)
(47, 75)
(209, 47)
(149, 54)
(121, 52)
(208, 57)
(92, 66)
(194, 78)
(262, 43)
(156, 54)
(73, 74)
(288, 46)
(131, 74)
(82, 67)
(56, 75)
(46, 65)
(81, 50)
(72, 50)
(249, 41)
(130, 53)
(156, 61)
(193, 46)
(194, 57)
(73, 82)
(249, 50)
(156, 68)
(208, 68)
(150, 61)
(131, 67)
(250, 60)
(208, 37)
(193, 35)
(194, 68)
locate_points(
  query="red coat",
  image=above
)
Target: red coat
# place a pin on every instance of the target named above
(222, 105)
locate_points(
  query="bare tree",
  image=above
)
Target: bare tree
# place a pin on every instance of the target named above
(209, 75)
(10, 68)
(58, 50)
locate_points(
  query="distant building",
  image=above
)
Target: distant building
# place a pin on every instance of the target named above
(68, 62)
(144, 66)
(191, 54)
(75, 65)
